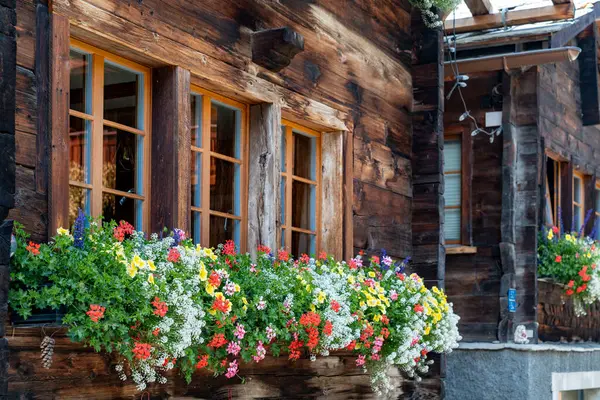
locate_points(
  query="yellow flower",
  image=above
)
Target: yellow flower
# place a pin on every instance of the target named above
(245, 308)
(589, 255)
(321, 297)
(551, 235)
(362, 304)
(245, 301)
(372, 274)
(351, 280)
(376, 317)
(423, 289)
(151, 265)
(308, 288)
(237, 287)
(312, 308)
(62, 231)
(210, 289)
(137, 262)
(203, 272)
(428, 327)
(358, 345)
(372, 302)
(151, 278)
(569, 237)
(132, 270)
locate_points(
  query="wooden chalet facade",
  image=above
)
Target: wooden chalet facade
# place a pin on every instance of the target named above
(134, 110)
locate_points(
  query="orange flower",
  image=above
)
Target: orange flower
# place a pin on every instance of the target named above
(328, 328)
(96, 312)
(217, 341)
(558, 259)
(156, 331)
(33, 248)
(283, 255)
(571, 283)
(203, 361)
(160, 307)
(141, 351)
(214, 279)
(570, 292)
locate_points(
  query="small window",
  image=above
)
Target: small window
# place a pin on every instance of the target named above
(452, 190)
(218, 167)
(552, 194)
(300, 186)
(108, 136)
(578, 200)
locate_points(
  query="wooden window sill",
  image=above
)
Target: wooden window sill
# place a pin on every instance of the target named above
(458, 249)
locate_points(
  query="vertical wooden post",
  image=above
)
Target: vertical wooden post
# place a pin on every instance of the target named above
(348, 198)
(171, 148)
(8, 65)
(264, 176)
(566, 194)
(58, 193)
(332, 193)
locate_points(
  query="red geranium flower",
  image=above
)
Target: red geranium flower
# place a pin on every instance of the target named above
(229, 248)
(310, 319)
(351, 346)
(173, 255)
(33, 248)
(304, 258)
(335, 306)
(160, 307)
(328, 328)
(558, 259)
(418, 308)
(124, 228)
(264, 249)
(217, 341)
(203, 361)
(323, 255)
(96, 312)
(214, 279)
(283, 255)
(555, 229)
(141, 351)
(570, 292)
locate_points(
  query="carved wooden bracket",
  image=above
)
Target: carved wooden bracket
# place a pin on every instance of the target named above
(275, 48)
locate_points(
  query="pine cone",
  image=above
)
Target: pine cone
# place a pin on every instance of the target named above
(47, 347)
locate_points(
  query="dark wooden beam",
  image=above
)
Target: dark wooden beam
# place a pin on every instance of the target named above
(518, 17)
(561, 1)
(566, 194)
(274, 49)
(562, 37)
(58, 171)
(588, 75)
(42, 77)
(171, 143)
(479, 7)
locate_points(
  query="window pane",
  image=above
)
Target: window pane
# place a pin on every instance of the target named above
(577, 217)
(282, 200)
(121, 96)
(452, 155)
(303, 206)
(121, 208)
(78, 198)
(283, 147)
(196, 225)
(577, 189)
(225, 130)
(196, 119)
(303, 243)
(305, 153)
(452, 189)
(224, 186)
(123, 156)
(223, 229)
(196, 179)
(79, 82)
(79, 149)
(452, 225)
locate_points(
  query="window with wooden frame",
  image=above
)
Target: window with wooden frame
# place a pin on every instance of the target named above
(552, 193)
(109, 136)
(218, 169)
(300, 189)
(453, 189)
(578, 200)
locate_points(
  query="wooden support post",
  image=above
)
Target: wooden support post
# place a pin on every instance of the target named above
(264, 158)
(348, 198)
(171, 149)
(332, 193)
(58, 171)
(8, 77)
(589, 201)
(588, 75)
(479, 7)
(566, 194)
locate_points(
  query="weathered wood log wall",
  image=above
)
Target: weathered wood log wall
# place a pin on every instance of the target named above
(473, 280)
(354, 75)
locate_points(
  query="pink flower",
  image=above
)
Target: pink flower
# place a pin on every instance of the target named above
(261, 304)
(270, 333)
(230, 289)
(252, 267)
(387, 260)
(232, 370)
(360, 361)
(394, 295)
(239, 331)
(233, 348)
(261, 352)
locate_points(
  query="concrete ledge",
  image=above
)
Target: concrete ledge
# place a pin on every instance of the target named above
(567, 347)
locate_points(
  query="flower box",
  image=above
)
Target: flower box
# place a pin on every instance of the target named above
(557, 318)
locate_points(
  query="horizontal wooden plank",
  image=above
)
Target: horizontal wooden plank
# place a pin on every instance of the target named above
(516, 17)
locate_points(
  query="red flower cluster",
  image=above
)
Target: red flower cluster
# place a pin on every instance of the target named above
(294, 349)
(328, 328)
(385, 320)
(124, 228)
(323, 255)
(385, 332)
(351, 346)
(96, 312)
(583, 274)
(160, 307)
(229, 248)
(141, 351)
(367, 333)
(375, 259)
(33, 248)
(283, 255)
(221, 304)
(263, 249)
(214, 279)
(558, 259)
(313, 337)
(555, 230)
(173, 255)
(202, 361)
(310, 319)
(352, 264)
(217, 341)
(156, 331)
(335, 306)
(418, 308)
(304, 258)
(581, 288)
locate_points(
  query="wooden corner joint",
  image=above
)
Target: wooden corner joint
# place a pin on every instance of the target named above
(274, 49)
